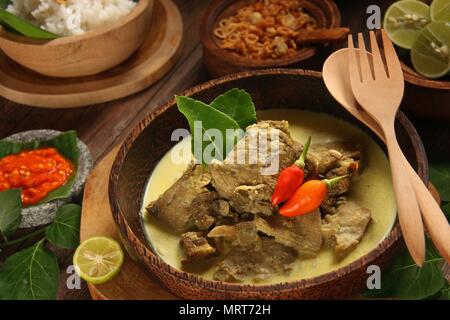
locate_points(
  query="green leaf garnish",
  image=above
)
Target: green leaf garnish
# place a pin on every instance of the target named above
(10, 212)
(405, 280)
(24, 27)
(30, 274)
(65, 143)
(440, 177)
(238, 105)
(204, 121)
(65, 229)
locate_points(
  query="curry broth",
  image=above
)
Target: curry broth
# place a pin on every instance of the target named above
(373, 189)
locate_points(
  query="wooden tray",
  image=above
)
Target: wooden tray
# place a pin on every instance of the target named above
(132, 283)
(152, 61)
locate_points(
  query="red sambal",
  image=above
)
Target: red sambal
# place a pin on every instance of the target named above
(36, 172)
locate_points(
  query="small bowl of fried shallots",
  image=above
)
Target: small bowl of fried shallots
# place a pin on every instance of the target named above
(256, 34)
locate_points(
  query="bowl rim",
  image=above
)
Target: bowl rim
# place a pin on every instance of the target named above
(390, 239)
(139, 9)
(208, 40)
(415, 78)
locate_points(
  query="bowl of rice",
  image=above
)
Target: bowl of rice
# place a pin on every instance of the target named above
(93, 36)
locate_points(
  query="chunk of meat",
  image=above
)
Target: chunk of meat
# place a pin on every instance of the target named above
(243, 235)
(323, 157)
(252, 199)
(256, 160)
(302, 233)
(195, 246)
(250, 257)
(175, 206)
(344, 229)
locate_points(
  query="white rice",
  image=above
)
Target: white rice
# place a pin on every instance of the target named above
(72, 18)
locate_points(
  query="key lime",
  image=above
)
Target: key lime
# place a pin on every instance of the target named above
(98, 259)
(430, 53)
(440, 10)
(404, 20)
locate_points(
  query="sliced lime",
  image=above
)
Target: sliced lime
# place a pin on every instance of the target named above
(97, 260)
(404, 20)
(430, 53)
(440, 10)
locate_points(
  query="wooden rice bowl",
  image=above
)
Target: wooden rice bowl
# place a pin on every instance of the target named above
(150, 140)
(220, 61)
(81, 55)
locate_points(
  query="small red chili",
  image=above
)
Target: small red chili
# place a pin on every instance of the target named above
(290, 178)
(308, 197)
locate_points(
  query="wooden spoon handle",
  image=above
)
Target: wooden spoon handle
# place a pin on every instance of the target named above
(322, 35)
(435, 221)
(407, 204)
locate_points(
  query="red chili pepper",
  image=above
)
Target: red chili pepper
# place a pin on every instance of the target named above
(308, 197)
(290, 178)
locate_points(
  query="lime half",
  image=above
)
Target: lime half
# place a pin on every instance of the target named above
(98, 259)
(404, 20)
(440, 10)
(430, 53)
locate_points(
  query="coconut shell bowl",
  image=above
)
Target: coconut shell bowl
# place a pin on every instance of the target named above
(219, 61)
(427, 98)
(81, 55)
(150, 140)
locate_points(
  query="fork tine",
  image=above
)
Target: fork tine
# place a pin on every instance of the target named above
(393, 64)
(366, 72)
(352, 62)
(377, 61)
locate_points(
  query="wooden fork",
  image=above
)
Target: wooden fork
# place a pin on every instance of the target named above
(380, 95)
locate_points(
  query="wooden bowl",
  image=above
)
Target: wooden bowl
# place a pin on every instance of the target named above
(426, 98)
(150, 140)
(82, 55)
(220, 61)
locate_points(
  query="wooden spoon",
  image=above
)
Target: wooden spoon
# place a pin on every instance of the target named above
(337, 80)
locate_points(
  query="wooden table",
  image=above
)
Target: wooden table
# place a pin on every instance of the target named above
(105, 125)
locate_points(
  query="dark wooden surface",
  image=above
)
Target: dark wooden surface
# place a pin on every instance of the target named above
(102, 126)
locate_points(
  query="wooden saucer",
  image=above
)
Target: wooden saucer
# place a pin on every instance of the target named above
(132, 283)
(152, 61)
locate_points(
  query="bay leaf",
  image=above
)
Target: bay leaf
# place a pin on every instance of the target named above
(208, 120)
(24, 27)
(238, 105)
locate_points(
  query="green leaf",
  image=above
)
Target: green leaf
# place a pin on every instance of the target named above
(65, 228)
(405, 280)
(213, 132)
(446, 209)
(10, 212)
(30, 274)
(445, 293)
(440, 177)
(4, 3)
(24, 27)
(65, 143)
(238, 105)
